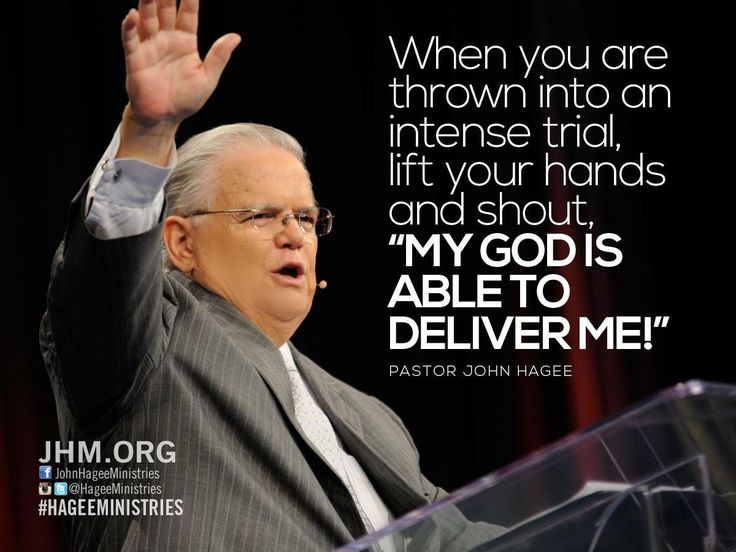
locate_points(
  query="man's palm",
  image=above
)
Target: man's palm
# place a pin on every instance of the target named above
(166, 79)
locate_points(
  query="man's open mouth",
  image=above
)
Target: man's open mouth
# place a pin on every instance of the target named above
(291, 270)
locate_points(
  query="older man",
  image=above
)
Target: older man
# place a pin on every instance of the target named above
(271, 452)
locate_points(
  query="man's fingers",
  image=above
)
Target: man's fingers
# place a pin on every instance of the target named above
(219, 55)
(166, 14)
(148, 19)
(129, 32)
(188, 17)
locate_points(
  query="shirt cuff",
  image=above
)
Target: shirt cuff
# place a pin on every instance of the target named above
(125, 196)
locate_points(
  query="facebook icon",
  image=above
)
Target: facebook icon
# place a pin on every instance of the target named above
(44, 472)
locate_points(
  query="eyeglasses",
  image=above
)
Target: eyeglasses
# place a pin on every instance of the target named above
(310, 221)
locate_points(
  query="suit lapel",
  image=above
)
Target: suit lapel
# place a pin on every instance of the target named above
(265, 358)
(252, 343)
(392, 481)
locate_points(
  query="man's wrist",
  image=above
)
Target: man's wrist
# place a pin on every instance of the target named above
(151, 143)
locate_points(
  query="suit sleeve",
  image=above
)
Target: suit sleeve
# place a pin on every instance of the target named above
(102, 333)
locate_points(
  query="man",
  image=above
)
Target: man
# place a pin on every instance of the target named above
(271, 452)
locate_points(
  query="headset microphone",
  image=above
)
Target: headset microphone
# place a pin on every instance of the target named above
(322, 284)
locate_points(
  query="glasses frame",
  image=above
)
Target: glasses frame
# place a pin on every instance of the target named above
(322, 213)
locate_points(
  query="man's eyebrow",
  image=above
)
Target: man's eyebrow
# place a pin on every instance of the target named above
(309, 207)
(273, 207)
(264, 207)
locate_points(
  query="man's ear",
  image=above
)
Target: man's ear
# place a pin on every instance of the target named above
(178, 236)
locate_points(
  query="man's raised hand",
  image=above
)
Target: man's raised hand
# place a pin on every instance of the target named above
(166, 79)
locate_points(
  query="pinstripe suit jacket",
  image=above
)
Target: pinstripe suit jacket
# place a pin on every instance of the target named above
(135, 354)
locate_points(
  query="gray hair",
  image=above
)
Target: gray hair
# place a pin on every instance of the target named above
(190, 185)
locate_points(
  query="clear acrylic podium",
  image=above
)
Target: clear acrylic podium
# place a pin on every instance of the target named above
(659, 477)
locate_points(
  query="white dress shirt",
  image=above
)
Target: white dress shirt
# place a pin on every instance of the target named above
(125, 198)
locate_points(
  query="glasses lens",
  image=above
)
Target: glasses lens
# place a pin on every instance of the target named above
(261, 218)
(324, 222)
(307, 219)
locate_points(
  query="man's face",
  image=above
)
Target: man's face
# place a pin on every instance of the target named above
(267, 273)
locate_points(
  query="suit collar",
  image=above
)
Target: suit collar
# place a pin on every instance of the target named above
(268, 361)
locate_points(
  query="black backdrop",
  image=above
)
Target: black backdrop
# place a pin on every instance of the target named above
(321, 73)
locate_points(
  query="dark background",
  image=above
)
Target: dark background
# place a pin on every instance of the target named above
(321, 73)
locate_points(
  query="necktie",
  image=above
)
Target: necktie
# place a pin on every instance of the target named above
(315, 423)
